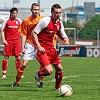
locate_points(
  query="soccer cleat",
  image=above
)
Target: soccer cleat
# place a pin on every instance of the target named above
(37, 79)
(4, 75)
(15, 84)
(41, 85)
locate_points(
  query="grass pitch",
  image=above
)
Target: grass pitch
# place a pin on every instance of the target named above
(82, 74)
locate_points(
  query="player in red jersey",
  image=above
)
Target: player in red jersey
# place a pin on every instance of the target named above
(11, 40)
(43, 36)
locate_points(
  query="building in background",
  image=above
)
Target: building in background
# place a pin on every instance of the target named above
(80, 14)
(22, 12)
(4, 13)
(71, 14)
(25, 12)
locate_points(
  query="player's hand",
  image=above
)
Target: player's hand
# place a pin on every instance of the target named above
(23, 51)
(41, 49)
(66, 40)
(5, 42)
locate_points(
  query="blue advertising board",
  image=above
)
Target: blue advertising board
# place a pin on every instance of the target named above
(77, 51)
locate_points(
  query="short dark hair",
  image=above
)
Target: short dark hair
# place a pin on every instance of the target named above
(55, 6)
(13, 9)
(34, 4)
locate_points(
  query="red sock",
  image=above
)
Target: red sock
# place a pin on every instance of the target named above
(19, 74)
(4, 65)
(18, 64)
(58, 77)
(42, 72)
(42, 77)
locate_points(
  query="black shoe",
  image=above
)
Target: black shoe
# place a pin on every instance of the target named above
(15, 84)
(41, 85)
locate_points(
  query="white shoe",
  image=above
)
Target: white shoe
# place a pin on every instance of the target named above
(3, 76)
(22, 76)
(37, 79)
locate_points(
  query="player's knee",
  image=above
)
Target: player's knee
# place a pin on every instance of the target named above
(49, 72)
(23, 66)
(48, 69)
(6, 58)
(59, 70)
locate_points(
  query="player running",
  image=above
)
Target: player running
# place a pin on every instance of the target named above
(43, 36)
(28, 48)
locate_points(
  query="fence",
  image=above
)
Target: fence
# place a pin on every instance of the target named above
(83, 38)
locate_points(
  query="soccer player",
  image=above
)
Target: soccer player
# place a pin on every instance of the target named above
(46, 53)
(11, 40)
(28, 48)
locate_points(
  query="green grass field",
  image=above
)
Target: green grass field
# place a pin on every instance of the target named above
(82, 74)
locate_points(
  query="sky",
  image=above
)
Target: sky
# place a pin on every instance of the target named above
(46, 3)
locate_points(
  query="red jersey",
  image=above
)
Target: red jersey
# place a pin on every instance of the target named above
(46, 28)
(10, 28)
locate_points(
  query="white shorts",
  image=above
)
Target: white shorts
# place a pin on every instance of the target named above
(30, 53)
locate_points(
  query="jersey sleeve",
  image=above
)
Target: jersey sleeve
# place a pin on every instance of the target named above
(40, 26)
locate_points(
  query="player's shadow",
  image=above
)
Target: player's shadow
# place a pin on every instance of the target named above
(8, 87)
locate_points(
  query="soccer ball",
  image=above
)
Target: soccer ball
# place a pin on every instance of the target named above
(65, 90)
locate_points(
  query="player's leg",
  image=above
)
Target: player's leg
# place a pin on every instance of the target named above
(4, 66)
(29, 55)
(47, 70)
(42, 77)
(56, 61)
(7, 52)
(20, 72)
(58, 75)
(17, 53)
(17, 62)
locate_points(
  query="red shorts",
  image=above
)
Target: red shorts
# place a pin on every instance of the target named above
(12, 49)
(49, 57)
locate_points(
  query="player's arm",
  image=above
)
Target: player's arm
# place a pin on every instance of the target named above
(3, 38)
(23, 31)
(35, 38)
(35, 32)
(62, 35)
(23, 43)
